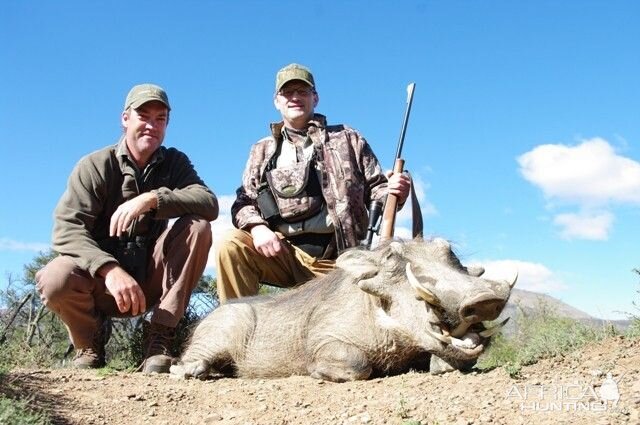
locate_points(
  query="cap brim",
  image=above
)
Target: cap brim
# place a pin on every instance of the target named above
(304, 80)
(140, 102)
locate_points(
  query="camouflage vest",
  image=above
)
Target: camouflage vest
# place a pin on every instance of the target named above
(295, 188)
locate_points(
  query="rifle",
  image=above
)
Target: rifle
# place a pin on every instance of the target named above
(391, 204)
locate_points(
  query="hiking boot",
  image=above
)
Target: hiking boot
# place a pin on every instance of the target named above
(89, 358)
(158, 342)
(93, 357)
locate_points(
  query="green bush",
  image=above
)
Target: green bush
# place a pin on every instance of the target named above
(33, 337)
(13, 412)
(539, 336)
(17, 412)
(44, 350)
(634, 317)
(634, 328)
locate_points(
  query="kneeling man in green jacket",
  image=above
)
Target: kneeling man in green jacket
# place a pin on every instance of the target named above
(118, 256)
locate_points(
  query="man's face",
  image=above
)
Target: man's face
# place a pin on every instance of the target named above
(144, 129)
(296, 101)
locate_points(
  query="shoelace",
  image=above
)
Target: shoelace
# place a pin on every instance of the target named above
(87, 352)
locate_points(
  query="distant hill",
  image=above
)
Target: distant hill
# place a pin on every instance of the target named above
(524, 302)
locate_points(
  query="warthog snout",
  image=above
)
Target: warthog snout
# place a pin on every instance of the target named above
(480, 311)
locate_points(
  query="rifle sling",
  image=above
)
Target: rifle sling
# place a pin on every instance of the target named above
(416, 212)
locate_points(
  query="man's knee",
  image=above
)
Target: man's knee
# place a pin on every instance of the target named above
(233, 253)
(52, 281)
(201, 226)
(195, 225)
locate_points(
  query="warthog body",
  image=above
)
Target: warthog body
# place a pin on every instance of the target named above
(376, 313)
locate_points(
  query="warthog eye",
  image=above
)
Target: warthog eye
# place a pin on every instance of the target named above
(469, 311)
(437, 310)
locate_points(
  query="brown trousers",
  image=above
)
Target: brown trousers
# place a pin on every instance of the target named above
(178, 260)
(240, 267)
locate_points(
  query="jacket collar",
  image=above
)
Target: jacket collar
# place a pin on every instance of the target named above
(125, 160)
(317, 121)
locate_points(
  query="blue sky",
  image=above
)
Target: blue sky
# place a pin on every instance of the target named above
(523, 135)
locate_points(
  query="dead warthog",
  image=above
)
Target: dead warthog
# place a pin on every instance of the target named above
(378, 312)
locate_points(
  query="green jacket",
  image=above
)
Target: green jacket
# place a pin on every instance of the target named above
(103, 180)
(352, 177)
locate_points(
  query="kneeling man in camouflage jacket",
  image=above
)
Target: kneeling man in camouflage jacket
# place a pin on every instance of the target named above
(304, 195)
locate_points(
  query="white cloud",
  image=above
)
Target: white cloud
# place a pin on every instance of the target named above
(531, 276)
(591, 176)
(220, 226)
(586, 225)
(7, 244)
(590, 173)
(403, 232)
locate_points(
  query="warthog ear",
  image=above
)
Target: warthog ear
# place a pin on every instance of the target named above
(442, 244)
(362, 267)
(358, 263)
(373, 286)
(396, 248)
(475, 271)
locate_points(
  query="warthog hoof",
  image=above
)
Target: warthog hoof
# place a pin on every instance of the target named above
(196, 369)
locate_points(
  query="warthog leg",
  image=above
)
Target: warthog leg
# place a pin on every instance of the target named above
(339, 362)
(216, 342)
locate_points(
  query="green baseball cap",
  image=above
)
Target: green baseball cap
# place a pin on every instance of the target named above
(143, 93)
(292, 72)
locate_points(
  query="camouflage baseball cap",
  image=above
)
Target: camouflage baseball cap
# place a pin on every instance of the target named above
(143, 93)
(292, 72)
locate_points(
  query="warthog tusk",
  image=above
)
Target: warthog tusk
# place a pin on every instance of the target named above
(493, 330)
(513, 281)
(460, 330)
(468, 343)
(439, 337)
(422, 291)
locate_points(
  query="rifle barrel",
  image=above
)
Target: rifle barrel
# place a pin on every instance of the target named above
(410, 89)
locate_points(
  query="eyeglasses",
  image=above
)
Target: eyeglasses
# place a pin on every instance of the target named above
(302, 91)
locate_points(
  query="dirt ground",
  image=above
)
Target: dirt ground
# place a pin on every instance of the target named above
(564, 390)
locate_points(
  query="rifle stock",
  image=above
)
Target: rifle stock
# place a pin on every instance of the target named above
(391, 207)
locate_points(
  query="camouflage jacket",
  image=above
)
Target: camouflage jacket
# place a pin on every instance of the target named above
(351, 178)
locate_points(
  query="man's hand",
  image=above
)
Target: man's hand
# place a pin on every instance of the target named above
(130, 210)
(266, 241)
(399, 185)
(126, 291)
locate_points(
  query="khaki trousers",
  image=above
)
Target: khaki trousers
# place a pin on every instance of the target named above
(178, 260)
(240, 267)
